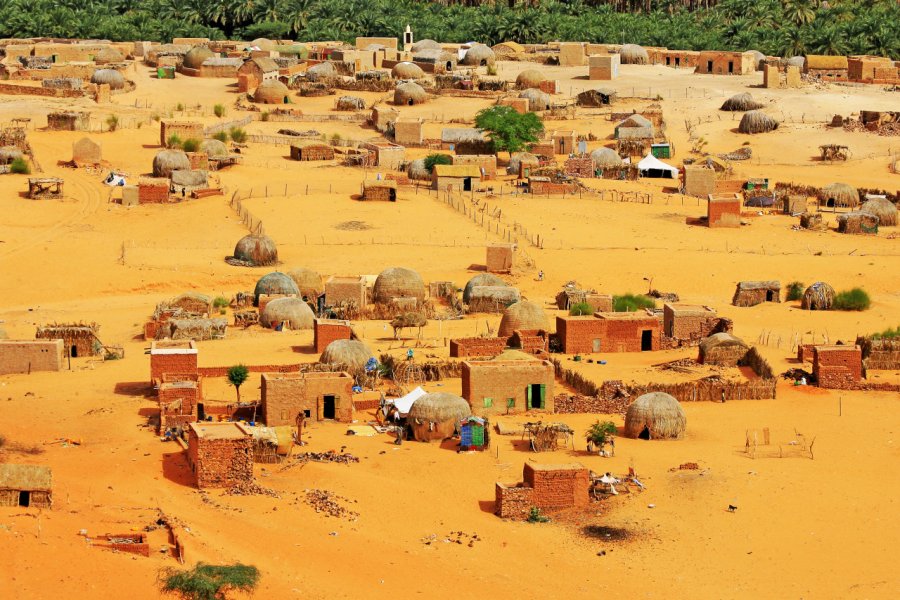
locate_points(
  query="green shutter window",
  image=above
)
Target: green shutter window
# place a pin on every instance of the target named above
(510, 403)
(543, 395)
(488, 402)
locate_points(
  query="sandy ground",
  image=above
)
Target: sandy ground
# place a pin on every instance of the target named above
(804, 528)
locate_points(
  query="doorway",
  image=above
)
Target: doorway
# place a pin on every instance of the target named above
(770, 296)
(24, 499)
(201, 412)
(709, 66)
(644, 434)
(73, 351)
(677, 61)
(449, 66)
(646, 340)
(536, 393)
(730, 67)
(467, 184)
(328, 408)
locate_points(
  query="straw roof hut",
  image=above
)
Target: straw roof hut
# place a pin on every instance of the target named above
(812, 221)
(9, 154)
(882, 208)
(756, 121)
(653, 416)
(257, 250)
(492, 298)
(529, 78)
(191, 178)
(606, 158)
(838, 195)
(293, 313)
(191, 302)
(741, 102)
(409, 93)
(425, 44)
(108, 55)
(632, 54)
(417, 170)
(323, 70)
(857, 222)
(519, 158)
(479, 55)
(537, 100)
(274, 283)
(434, 417)
(168, 161)
(271, 91)
(482, 279)
(398, 282)
(722, 349)
(25, 485)
(350, 355)
(818, 296)
(795, 61)
(111, 77)
(597, 97)
(508, 50)
(350, 103)
(522, 315)
(308, 282)
(407, 70)
(196, 56)
(214, 149)
(264, 44)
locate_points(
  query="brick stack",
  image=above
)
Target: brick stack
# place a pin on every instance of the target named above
(326, 331)
(512, 501)
(837, 367)
(579, 167)
(477, 347)
(220, 454)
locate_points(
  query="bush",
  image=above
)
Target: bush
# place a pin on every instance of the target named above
(632, 302)
(179, 107)
(580, 309)
(264, 116)
(888, 334)
(238, 135)
(437, 159)
(855, 299)
(19, 166)
(492, 70)
(336, 139)
(173, 141)
(222, 136)
(600, 432)
(112, 121)
(209, 582)
(535, 516)
(220, 302)
(190, 145)
(795, 290)
(219, 110)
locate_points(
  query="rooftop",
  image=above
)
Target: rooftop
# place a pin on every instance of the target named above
(24, 477)
(173, 347)
(219, 431)
(562, 467)
(457, 170)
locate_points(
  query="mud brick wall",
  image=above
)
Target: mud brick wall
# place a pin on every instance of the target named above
(477, 346)
(220, 463)
(184, 129)
(340, 291)
(11, 89)
(161, 364)
(153, 194)
(579, 167)
(223, 371)
(199, 160)
(26, 356)
(724, 213)
(512, 501)
(139, 546)
(837, 368)
(529, 341)
(487, 162)
(189, 395)
(805, 352)
(325, 333)
(504, 380)
(284, 397)
(499, 258)
(581, 404)
(546, 187)
(558, 488)
(577, 334)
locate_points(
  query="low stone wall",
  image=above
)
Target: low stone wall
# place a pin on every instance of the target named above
(512, 501)
(223, 371)
(477, 347)
(9, 89)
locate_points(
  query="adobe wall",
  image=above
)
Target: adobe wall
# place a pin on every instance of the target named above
(181, 364)
(558, 488)
(152, 194)
(499, 258)
(11, 89)
(477, 347)
(837, 368)
(724, 213)
(26, 356)
(577, 334)
(325, 333)
(220, 463)
(486, 162)
(505, 380)
(223, 371)
(283, 398)
(512, 501)
(183, 129)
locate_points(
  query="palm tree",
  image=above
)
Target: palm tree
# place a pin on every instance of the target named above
(799, 12)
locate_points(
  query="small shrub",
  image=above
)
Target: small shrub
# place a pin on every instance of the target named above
(535, 516)
(112, 121)
(173, 141)
(580, 309)
(220, 302)
(492, 70)
(208, 582)
(19, 166)
(600, 432)
(437, 159)
(264, 116)
(888, 334)
(632, 302)
(219, 110)
(238, 135)
(795, 290)
(336, 139)
(190, 145)
(853, 299)
(179, 107)
(156, 117)
(222, 136)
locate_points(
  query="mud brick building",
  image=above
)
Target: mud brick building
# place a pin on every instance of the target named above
(178, 397)
(172, 358)
(185, 130)
(687, 324)
(476, 347)
(603, 67)
(529, 341)
(751, 293)
(220, 454)
(547, 487)
(726, 63)
(339, 290)
(320, 396)
(408, 131)
(837, 367)
(507, 387)
(486, 162)
(326, 331)
(723, 211)
(25, 356)
(499, 258)
(609, 332)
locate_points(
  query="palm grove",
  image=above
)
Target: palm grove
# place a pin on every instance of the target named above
(775, 27)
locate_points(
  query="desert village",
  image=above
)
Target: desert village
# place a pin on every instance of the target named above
(249, 316)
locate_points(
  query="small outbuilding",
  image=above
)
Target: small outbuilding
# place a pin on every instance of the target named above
(274, 284)
(398, 283)
(272, 91)
(523, 315)
(756, 121)
(86, 152)
(220, 454)
(308, 282)
(110, 77)
(25, 486)
(168, 161)
(858, 222)
(312, 150)
(256, 250)
(380, 190)
(474, 434)
(838, 195)
(655, 416)
(529, 78)
(409, 93)
(287, 313)
(818, 296)
(751, 293)
(632, 54)
(347, 355)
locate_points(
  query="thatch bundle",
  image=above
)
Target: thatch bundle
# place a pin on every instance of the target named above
(480, 280)
(110, 77)
(520, 316)
(425, 44)
(409, 93)
(257, 250)
(308, 282)
(722, 349)
(529, 78)
(407, 70)
(292, 313)
(321, 71)
(741, 102)
(857, 222)
(882, 208)
(418, 171)
(606, 158)
(537, 100)
(756, 121)
(398, 282)
(274, 284)
(350, 103)
(656, 415)
(492, 298)
(192, 178)
(196, 56)
(214, 149)
(632, 54)
(479, 55)
(108, 55)
(350, 355)
(9, 154)
(271, 91)
(812, 221)
(435, 416)
(518, 159)
(191, 303)
(818, 296)
(168, 161)
(838, 195)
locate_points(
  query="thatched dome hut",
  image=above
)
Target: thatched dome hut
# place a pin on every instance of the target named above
(480, 280)
(434, 417)
(193, 178)
(9, 154)
(350, 355)
(520, 316)
(274, 284)
(398, 282)
(264, 44)
(838, 195)
(795, 61)
(407, 70)
(479, 55)
(256, 250)
(741, 102)
(196, 56)
(108, 55)
(308, 282)
(214, 149)
(271, 91)
(756, 121)
(409, 93)
(722, 349)
(193, 303)
(350, 103)
(655, 416)
(537, 100)
(292, 313)
(111, 77)
(167, 161)
(632, 54)
(425, 44)
(323, 70)
(606, 158)
(529, 78)
(417, 170)
(518, 159)
(882, 208)
(818, 296)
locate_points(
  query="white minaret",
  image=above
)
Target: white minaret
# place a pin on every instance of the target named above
(407, 39)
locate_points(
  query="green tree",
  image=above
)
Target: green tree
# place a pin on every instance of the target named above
(509, 130)
(208, 582)
(237, 375)
(599, 433)
(437, 159)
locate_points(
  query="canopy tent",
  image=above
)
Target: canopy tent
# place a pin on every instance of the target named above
(405, 403)
(650, 166)
(115, 180)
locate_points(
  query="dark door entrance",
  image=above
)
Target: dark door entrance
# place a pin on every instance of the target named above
(449, 66)
(73, 351)
(467, 184)
(24, 498)
(770, 296)
(644, 434)
(201, 412)
(536, 395)
(646, 340)
(327, 407)
(677, 61)
(730, 67)
(709, 66)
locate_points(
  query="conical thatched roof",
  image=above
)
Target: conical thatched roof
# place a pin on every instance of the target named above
(407, 70)
(741, 102)
(294, 313)
(398, 282)
(350, 103)
(323, 70)
(481, 280)
(167, 161)
(438, 407)
(839, 195)
(274, 283)
(308, 282)
(425, 44)
(479, 55)
(519, 158)
(632, 54)
(108, 55)
(529, 78)
(214, 148)
(417, 170)
(882, 208)
(110, 77)
(657, 412)
(537, 100)
(605, 158)
(351, 355)
(258, 250)
(409, 93)
(522, 315)
(757, 121)
(271, 91)
(196, 55)
(722, 349)
(818, 296)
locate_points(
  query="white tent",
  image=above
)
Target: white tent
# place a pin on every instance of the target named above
(650, 166)
(405, 403)
(115, 179)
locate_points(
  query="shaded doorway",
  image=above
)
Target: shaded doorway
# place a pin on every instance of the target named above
(646, 340)
(328, 408)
